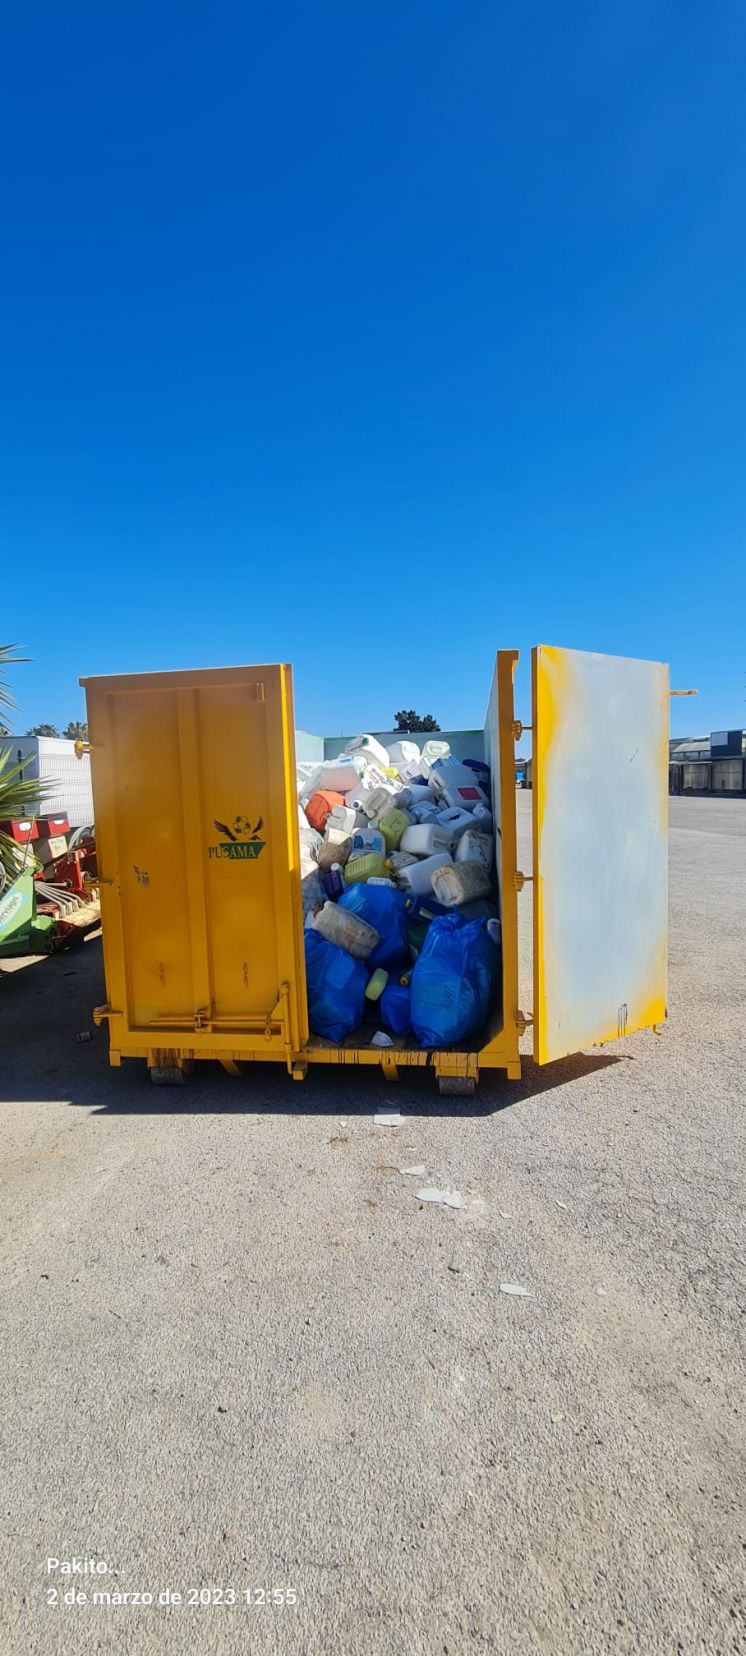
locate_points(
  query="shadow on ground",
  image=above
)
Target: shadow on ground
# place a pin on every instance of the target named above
(45, 1007)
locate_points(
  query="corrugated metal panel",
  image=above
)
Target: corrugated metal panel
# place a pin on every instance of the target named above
(53, 760)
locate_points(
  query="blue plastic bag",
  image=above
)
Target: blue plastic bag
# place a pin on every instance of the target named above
(453, 981)
(336, 988)
(388, 911)
(396, 1006)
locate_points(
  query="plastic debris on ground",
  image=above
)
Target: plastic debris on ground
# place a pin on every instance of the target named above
(514, 1288)
(445, 1198)
(414, 1172)
(388, 1118)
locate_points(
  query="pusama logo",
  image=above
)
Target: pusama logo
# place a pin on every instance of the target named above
(240, 842)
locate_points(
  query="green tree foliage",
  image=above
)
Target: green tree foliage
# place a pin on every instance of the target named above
(43, 730)
(409, 720)
(76, 730)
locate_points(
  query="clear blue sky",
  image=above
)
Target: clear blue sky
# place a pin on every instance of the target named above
(373, 338)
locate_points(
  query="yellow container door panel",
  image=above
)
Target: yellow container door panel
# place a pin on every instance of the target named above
(239, 846)
(151, 864)
(194, 784)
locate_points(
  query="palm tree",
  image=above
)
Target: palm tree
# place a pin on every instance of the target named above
(18, 798)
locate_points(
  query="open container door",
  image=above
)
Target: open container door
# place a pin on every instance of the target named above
(600, 819)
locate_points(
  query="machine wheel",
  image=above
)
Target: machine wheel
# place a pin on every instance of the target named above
(464, 1085)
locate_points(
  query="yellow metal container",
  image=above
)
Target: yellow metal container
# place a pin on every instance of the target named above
(195, 793)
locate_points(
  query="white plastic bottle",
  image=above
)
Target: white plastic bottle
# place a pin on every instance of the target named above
(404, 753)
(342, 817)
(372, 749)
(474, 846)
(455, 820)
(435, 750)
(367, 839)
(334, 776)
(373, 801)
(423, 839)
(347, 930)
(460, 883)
(418, 877)
(483, 817)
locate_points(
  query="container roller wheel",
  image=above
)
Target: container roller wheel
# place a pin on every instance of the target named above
(464, 1085)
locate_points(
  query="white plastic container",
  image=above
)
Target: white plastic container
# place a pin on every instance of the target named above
(333, 776)
(367, 839)
(454, 784)
(374, 777)
(415, 793)
(401, 859)
(474, 846)
(423, 839)
(435, 750)
(460, 883)
(342, 817)
(483, 817)
(373, 801)
(347, 930)
(371, 748)
(418, 878)
(455, 820)
(404, 753)
(427, 812)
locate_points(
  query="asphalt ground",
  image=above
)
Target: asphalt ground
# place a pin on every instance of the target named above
(239, 1355)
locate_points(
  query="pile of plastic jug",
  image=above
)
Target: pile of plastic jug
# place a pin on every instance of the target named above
(399, 891)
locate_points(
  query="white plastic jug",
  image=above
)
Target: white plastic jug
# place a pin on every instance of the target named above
(347, 930)
(435, 750)
(368, 839)
(455, 784)
(401, 859)
(483, 816)
(342, 817)
(455, 820)
(373, 801)
(423, 839)
(418, 878)
(426, 812)
(333, 776)
(460, 883)
(415, 793)
(371, 748)
(404, 753)
(474, 846)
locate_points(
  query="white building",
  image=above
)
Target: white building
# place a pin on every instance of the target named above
(52, 760)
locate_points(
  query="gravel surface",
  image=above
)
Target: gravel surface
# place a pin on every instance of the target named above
(237, 1351)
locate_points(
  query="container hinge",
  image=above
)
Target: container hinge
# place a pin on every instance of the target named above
(523, 1021)
(101, 1013)
(203, 1019)
(520, 879)
(517, 729)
